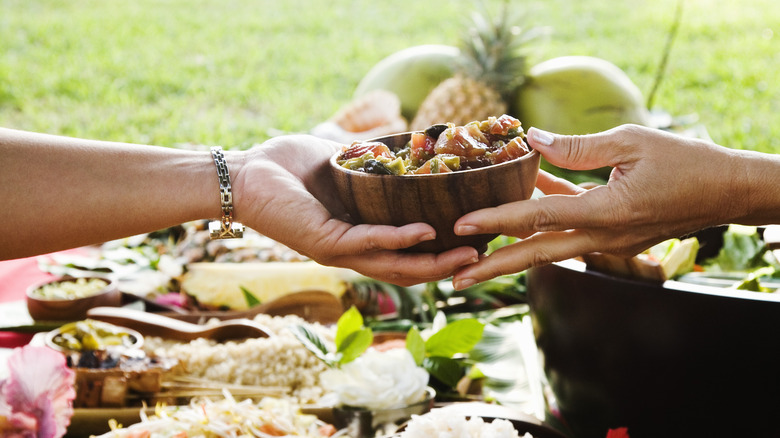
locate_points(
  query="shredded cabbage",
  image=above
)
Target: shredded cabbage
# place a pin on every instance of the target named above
(228, 418)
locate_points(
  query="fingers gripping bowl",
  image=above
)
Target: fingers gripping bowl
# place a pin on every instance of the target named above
(438, 199)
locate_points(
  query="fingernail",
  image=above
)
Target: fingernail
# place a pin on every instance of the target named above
(542, 137)
(427, 236)
(463, 283)
(465, 230)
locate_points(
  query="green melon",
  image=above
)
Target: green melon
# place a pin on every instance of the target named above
(411, 74)
(578, 95)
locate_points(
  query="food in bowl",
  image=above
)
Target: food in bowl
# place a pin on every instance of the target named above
(227, 417)
(68, 299)
(440, 197)
(71, 289)
(441, 148)
(90, 334)
(110, 368)
(441, 422)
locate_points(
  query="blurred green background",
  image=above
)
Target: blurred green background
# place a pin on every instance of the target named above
(236, 72)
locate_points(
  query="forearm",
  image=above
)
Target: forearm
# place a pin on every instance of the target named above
(759, 192)
(60, 192)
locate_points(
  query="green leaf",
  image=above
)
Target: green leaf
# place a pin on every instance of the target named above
(416, 345)
(753, 281)
(496, 344)
(350, 321)
(742, 250)
(476, 373)
(445, 369)
(354, 345)
(251, 299)
(456, 337)
(313, 343)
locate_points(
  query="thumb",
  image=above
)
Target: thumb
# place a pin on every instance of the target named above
(575, 152)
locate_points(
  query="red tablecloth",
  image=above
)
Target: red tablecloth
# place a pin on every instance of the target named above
(15, 277)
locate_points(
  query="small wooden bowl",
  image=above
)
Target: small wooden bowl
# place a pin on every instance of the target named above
(137, 341)
(42, 309)
(437, 199)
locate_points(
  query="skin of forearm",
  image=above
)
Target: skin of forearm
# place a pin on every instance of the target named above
(759, 191)
(60, 192)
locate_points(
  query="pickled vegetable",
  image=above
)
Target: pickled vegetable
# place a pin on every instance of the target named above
(92, 335)
(70, 289)
(442, 148)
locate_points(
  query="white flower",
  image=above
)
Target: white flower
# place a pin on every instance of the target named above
(439, 322)
(376, 380)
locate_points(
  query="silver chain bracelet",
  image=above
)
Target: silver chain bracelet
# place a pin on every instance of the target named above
(224, 228)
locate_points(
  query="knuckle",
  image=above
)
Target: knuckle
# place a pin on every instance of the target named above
(543, 220)
(541, 258)
(398, 278)
(626, 135)
(576, 149)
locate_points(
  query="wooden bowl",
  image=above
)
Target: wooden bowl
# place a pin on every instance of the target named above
(43, 309)
(437, 199)
(136, 340)
(665, 359)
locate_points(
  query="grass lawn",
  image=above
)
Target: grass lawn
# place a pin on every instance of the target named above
(235, 72)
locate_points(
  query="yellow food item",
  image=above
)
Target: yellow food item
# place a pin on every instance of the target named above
(220, 284)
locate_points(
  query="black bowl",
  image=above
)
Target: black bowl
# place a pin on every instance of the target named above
(664, 360)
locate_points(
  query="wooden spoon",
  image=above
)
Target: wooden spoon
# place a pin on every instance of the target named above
(312, 305)
(150, 324)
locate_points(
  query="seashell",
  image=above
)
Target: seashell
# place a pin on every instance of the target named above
(374, 114)
(372, 110)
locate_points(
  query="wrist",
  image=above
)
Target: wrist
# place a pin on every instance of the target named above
(759, 196)
(226, 227)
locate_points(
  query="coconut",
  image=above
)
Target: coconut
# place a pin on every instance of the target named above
(411, 74)
(578, 95)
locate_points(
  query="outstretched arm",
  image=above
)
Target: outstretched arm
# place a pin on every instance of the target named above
(60, 192)
(662, 186)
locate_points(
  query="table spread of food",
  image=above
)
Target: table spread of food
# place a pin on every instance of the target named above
(156, 362)
(173, 334)
(245, 335)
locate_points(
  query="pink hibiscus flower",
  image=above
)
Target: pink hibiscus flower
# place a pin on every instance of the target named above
(36, 400)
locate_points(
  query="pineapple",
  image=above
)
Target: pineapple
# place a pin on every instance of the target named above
(491, 67)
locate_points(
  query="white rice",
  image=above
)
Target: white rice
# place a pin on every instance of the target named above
(277, 361)
(439, 423)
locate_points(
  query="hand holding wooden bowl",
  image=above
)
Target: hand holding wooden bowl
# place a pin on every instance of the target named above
(438, 199)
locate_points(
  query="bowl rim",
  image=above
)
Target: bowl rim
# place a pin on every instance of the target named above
(49, 339)
(108, 288)
(333, 162)
(676, 286)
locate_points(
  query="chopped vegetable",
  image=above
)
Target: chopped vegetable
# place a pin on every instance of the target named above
(442, 148)
(226, 417)
(92, 335)
(70, 289)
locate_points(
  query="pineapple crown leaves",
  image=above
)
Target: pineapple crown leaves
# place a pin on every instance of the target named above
(495, 48)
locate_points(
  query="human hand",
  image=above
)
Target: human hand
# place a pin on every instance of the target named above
(661, 186)
(284, 191)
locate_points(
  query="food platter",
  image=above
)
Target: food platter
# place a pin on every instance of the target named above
(277, 364)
